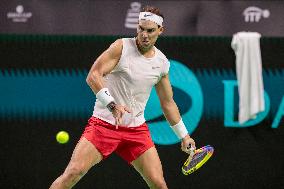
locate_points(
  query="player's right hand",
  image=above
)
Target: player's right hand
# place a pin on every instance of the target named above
(118, 112)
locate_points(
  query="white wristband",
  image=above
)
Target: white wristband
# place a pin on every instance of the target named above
(104, 96)
(180, 129)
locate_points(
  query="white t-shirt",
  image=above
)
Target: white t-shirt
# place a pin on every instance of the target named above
(131, 82)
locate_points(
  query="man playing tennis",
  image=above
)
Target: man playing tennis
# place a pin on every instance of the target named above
(122, 78)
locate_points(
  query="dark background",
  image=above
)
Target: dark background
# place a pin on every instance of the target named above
(250, 157)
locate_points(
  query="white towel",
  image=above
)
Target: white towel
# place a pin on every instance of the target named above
(249, 74)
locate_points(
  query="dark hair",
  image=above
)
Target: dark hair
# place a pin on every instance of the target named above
(152, 9)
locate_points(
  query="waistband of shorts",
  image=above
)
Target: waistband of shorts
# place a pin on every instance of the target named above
(103, 123)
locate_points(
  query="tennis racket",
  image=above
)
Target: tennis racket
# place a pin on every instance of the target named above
(196, 159)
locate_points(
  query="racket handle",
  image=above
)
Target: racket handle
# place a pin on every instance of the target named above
(190, 150)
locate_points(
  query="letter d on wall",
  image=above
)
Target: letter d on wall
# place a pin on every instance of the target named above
(229, 86)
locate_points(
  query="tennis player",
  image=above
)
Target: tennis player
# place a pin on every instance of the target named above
(122, 78)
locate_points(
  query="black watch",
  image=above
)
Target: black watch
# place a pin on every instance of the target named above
(111, 106)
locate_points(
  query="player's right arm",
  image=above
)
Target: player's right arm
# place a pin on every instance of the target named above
(103, 65)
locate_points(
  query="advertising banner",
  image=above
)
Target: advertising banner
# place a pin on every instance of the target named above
(182, 18)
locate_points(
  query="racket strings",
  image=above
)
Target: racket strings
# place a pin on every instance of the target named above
(197, 158)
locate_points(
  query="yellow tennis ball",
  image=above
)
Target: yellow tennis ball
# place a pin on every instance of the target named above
(62, 137)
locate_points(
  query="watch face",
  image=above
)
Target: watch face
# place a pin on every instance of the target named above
(111, 106)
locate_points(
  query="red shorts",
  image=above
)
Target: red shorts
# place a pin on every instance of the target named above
(127, 142)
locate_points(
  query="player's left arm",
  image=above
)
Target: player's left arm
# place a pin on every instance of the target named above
(171, 112)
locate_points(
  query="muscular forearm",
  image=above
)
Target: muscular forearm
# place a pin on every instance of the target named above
(171, 112)
(95, 81)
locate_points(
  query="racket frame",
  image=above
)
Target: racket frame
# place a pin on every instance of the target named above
(209, 150)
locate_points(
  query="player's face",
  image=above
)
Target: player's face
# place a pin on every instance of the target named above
(147, 33)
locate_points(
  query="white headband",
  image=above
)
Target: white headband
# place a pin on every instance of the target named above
(152, 17)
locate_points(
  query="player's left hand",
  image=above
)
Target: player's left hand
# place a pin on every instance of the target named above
(187, 144)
